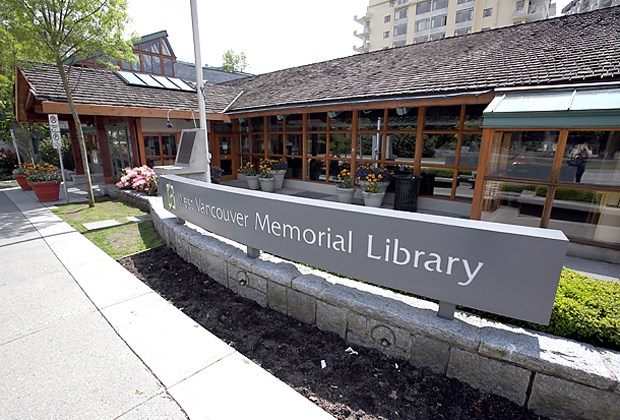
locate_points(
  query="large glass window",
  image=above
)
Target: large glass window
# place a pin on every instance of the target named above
(440, 149)
(590, 215)
(592, 157)
(442, 117)
(440, 4)
(423, 7)
(464, 15)
(400, 14)
(160, 149)
(513, 203)
(523, 154)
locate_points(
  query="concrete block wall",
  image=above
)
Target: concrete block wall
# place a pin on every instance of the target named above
(552, 376)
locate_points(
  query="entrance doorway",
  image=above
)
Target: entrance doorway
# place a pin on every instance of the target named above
(121, 155)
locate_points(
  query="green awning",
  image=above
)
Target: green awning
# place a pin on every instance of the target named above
(575, 108)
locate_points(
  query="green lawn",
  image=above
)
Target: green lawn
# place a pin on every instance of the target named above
(105, 209)
(116, 241)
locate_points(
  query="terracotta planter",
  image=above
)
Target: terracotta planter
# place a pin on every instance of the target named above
(252, 181)
(46, 190)
(345, 195)
(373, 199)
(22, 181)
(267, 184)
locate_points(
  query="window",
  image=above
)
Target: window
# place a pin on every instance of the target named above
(387, 18)
(440, 4)
(487, 12)
(464, 15)
(420, 39)
(422, 25)
(386, 34)
(400, 14)
(438, 21)
(423, 7)
(160, 149)
(399, 43)
(400, 29)
(462, 31)
(520, 5)
(464, 1)
(440, 35)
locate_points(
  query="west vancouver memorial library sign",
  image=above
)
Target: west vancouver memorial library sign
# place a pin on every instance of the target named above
(503, 269)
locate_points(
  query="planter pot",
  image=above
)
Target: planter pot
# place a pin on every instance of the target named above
(22, 181)
(345, 195)
(46, 191)
(373, 199)
(279, 177)
(252, 182)
(267, 184)
(240, 177)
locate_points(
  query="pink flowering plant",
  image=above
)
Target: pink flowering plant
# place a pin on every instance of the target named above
(141, 179)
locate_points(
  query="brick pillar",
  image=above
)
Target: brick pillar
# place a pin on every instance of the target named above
(79, 166)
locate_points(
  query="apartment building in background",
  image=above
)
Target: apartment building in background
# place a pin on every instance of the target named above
(394, 23)
(578, 6)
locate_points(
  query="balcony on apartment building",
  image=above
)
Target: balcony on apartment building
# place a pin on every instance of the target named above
(536, 10)
(362, 19)
(365, 47)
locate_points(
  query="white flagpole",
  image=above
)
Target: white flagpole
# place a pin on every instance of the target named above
(201, 99)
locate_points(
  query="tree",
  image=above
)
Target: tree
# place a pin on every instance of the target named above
(63, 31)
(234, 62)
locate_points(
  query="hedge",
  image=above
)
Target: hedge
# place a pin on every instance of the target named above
(585, 309)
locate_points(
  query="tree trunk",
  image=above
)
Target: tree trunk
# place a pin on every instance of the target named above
(80, 134)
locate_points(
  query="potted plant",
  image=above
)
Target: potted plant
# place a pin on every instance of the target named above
(346, 186)
(373, 192)
(45, 181)
(250, 176)
(19, 175)
(381, 176)
(242, 171)
(266, 178)
(278, 169)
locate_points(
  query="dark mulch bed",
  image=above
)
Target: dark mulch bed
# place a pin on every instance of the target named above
(368, 385)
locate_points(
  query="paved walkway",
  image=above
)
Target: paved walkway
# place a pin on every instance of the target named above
(82, 338)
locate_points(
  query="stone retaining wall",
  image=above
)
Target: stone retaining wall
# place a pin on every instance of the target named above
(552, 376)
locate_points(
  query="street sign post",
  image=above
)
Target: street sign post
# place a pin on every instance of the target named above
(57, 144)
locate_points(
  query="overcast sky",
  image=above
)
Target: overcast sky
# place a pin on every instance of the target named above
(274, 34)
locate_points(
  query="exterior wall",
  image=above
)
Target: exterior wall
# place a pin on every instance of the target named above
(381, 19)
(550, 375)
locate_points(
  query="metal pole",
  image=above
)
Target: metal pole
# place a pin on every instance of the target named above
(19, 160)
(62, 171)
(201, 99)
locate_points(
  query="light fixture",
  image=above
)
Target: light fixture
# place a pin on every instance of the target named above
(280, 117)
(168, 122)
(402, 111)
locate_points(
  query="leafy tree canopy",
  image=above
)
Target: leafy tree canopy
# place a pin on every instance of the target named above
(234, 62)
(68, 30)
(64, 31)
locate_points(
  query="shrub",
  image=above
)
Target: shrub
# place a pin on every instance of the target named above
(141, 179)
(585, 309)
(572, 194)
(50, 155)
(8, 162)
(517, 188)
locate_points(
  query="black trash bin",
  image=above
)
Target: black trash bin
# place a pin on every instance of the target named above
(427, 186)
(406, 191)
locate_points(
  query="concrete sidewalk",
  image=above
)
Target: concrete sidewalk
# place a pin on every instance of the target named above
(80, 337)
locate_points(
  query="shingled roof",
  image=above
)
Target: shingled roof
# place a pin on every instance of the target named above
(104, 87)
(569, 49)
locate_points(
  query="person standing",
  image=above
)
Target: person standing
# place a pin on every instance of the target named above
(578, 157)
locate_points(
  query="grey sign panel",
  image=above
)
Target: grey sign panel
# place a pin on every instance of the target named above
(504, 269)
